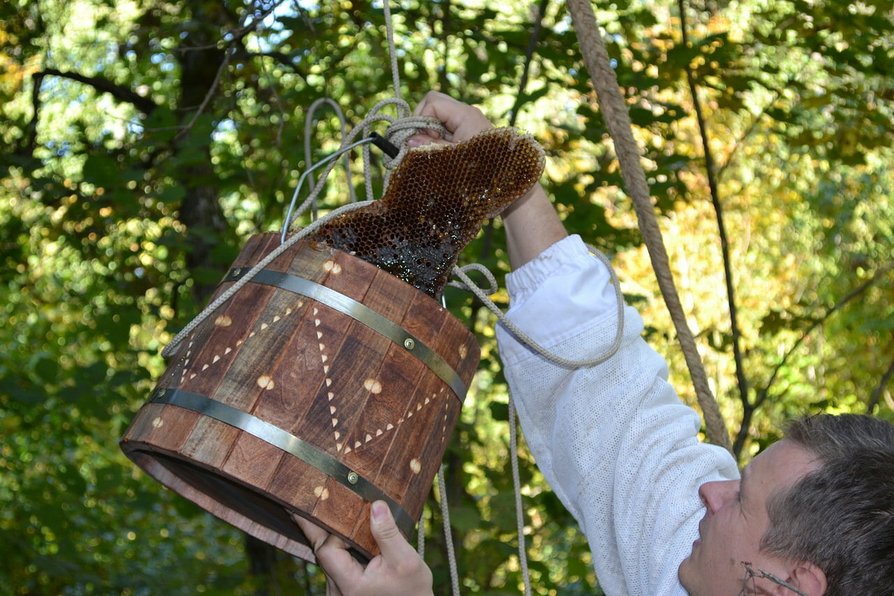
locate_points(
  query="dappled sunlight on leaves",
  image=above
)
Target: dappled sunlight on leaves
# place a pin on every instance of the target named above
(124, 195)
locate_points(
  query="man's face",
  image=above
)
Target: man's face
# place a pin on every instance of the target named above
(735, 521)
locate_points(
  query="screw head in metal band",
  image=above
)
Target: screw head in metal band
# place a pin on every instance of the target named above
(236, 272)
(353, 477)
(409, 343)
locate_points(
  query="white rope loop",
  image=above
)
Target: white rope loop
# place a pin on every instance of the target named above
(548, 354)
(392, 52)
(493, 286)
(309, 122)
(420, 536)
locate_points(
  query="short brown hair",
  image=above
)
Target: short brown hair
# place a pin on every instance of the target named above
(840, 517)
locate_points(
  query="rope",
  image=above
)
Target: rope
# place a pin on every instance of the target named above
(420, 536)
(493, 286)
(448, 536)
(519, 511)
(308, 129)
(617, 120)
(226, 295)
(545, 352)
(392, 53)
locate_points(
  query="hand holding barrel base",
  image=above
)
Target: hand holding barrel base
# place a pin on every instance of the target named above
(397, 571)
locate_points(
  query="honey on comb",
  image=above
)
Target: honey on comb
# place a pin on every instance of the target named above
(437, 200)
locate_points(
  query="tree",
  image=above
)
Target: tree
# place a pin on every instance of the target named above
(144, 140)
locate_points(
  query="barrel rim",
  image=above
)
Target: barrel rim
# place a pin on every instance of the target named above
(287, 442)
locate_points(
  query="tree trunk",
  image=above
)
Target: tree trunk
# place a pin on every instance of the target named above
(203, 63)
(200, 210)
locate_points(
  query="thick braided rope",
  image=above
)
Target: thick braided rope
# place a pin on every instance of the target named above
(617, 120)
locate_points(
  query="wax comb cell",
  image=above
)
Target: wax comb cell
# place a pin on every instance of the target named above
(437, 200)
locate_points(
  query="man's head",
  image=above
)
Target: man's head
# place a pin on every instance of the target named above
(814, 511)
(841, 517)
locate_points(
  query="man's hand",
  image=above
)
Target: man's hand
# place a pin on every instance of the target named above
(397, 571)
(532, 224)
(462, 121)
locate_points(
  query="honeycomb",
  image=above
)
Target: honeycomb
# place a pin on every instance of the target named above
(437, 200)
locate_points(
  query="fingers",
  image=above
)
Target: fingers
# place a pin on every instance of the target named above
(332, 555)
(399, 569)
(315, 534)
(395, 548)
(461, 120)
(422, 138)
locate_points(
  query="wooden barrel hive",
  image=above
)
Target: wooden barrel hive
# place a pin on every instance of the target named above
(322, 385)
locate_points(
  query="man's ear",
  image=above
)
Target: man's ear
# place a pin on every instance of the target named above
(808, 578)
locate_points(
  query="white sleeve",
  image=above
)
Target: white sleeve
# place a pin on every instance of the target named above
(614, 441)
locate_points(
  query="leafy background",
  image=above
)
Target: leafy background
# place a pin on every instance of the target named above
(144, 140)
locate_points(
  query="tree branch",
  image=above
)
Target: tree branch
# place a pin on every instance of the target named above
(748, 410)
(233, 40)
(749, 407)
(31, 131)
(529, 56)
(718, 210)
(838, 306)
(777, 93)
(234, 36)
(877, 392)
(211, 91)
(102, 84)
(741, 140)
(278, 57)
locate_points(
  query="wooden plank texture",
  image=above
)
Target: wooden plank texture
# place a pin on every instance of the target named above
(317, 373)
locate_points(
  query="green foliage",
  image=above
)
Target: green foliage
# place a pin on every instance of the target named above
(144, 140)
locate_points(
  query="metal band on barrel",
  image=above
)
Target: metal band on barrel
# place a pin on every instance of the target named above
(362, 313)
(287, 442)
